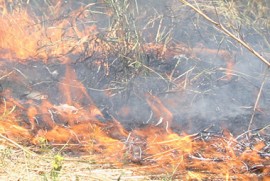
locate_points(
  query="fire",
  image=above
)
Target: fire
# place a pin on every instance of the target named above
(161, 112)
(24, 37)
(17, 37)
(76, 121)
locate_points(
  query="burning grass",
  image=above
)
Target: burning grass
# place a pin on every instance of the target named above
(55, 129)
(149, 151)
(108, 151)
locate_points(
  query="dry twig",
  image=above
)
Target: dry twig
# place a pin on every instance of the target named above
(227, 32)
(257, 100)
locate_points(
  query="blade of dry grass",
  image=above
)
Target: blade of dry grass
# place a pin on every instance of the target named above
(227, 32)
(18, 145)
(257, 101)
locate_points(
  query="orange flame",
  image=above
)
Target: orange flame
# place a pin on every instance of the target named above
(23, 37)
(74, 120)
(162, 114)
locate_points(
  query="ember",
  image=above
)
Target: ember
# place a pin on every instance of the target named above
(120, 82)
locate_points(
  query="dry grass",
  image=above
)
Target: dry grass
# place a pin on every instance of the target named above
(124, 37)
(16, 164)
